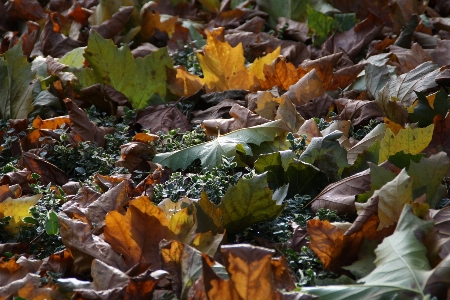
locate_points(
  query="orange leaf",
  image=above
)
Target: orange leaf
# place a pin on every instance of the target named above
(136, 235)
(281, 73)
(335, 249)
(182, 83)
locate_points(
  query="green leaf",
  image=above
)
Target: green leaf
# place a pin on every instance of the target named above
(16, 84)
(428, 174)
(51, 223)
(291, 9)
(30, 220)
(320, 24)
(379, 176)
(402, 268)
(376, 77)
(424, 113)
(344, 22)
(283, 168)
(73, 58)
(139, 79)
(250, 201)
(327, 150)
(210, 153)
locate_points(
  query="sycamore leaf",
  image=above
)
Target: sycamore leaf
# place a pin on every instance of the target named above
(250, 201)
(223, 66)
(117, 67)
(258, 66)
(17, 209)
(282, 168)
(379, 176)
(280, 73)
(428, 174)
(408, 140)
(327, 147)
(392, 197)
(211, 153)
(320, 24)
(290, 9)
(402, 89)
(402, 269)
(16, 84)
(375, 134)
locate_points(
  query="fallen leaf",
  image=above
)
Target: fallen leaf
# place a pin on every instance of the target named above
(408, 140)
(306, 89)
(162, 118)
(17, 209)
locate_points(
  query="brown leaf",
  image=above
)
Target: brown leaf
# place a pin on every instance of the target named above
(283, 277)
(441, 54)
(53, 43)
(162, 118)
(134, 155)
(335, 249)
(295, 30)
(317, 107)
(171, 257)
(78, 13)
(353, 41)
(84, 130)
(25, 10)
(360, 112)
(84, 246)
(242, 118)
(307, 88)
(130, 236)
(143, 285)
(324, 67)
(220, 110)
(341, 195)
(408, 59)
(257, 44)
(49, 173)
(60, 262)
(114, 26)
(22, 178)
(288, 114)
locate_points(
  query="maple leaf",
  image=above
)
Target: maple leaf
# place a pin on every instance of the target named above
(118, 68)
(17, 209)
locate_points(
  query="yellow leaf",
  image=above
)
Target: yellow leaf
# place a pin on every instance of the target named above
(183, 226)
(257, 67)
(223, 66)
(409, 140)
(393, 126)
(17, 209)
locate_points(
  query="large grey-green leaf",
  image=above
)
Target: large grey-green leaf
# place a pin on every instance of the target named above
(283, 168)
(16, 84)
(402, 89)
(211, 153)
(402, 269)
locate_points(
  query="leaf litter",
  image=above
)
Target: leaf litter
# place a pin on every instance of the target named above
(224, 150)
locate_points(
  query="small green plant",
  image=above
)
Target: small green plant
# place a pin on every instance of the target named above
(215, 182)
(297, 145)
(41, 229)
(187, 58)
(174, 140)
(362, 132)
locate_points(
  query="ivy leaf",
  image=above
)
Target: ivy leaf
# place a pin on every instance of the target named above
(211, 153)
(400, 255)
(139, 79)
(16, 89)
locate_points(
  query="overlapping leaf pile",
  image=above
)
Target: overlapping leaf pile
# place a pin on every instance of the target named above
(344, 102)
